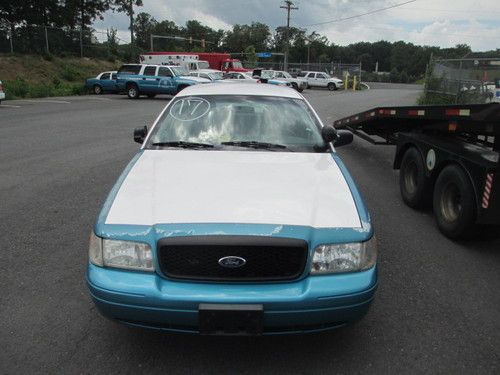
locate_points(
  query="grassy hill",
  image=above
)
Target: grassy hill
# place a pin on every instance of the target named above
(34, 76)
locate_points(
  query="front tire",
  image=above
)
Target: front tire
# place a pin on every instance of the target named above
(97, 89)
(132, 91)
(454, 203)
(413, 184)
(332, 86)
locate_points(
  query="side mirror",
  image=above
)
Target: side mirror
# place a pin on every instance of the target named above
(140, 134)
(329, 133)
(344, 137)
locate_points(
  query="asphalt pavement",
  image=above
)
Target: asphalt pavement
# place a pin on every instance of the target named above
(437, 308)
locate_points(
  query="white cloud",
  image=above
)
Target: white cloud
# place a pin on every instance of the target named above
(430, 22)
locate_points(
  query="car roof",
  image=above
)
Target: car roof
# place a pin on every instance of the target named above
(258, 89)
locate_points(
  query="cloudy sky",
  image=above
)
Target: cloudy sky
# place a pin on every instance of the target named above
(443, 23)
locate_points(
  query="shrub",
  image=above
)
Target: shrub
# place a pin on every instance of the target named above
(69, 73)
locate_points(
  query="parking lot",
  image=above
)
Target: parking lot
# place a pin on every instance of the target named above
(436, 308)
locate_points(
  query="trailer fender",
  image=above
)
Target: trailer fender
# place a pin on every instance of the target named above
(401, 150)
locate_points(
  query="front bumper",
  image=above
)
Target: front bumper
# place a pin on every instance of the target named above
(314, 303)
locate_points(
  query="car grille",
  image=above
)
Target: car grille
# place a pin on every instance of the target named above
(197, 258)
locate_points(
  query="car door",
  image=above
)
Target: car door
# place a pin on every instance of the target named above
(149, 80)
(108, 81)
(311, 80)
(166, 84)
(113, 85)
(321, 80)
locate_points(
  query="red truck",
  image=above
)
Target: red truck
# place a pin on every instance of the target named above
(194, 60)
(222, 61)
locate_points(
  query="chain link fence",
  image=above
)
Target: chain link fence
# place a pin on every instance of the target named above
(33, 39)
(333, 68)
(461, 81)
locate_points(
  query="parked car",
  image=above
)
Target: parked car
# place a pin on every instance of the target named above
(239, 77)
(247, 77)
(210, 74)
(298, 84)
(321, 79)
(294, 72)
(151, 80)
(236, 216)
(103, 82)
(2, 93)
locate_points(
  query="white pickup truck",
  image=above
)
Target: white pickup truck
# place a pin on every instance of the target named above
(321, 79)
(298, 84)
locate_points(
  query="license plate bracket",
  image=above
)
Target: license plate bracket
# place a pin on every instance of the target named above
(230, 319)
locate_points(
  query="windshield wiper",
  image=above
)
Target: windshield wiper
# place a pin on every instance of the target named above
(183, 144)
(255, 144)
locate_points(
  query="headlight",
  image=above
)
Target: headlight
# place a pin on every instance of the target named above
(120, 254)
(95, 250)
(346, 257)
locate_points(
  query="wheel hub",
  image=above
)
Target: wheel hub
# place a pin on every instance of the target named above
(451, 202)
(410, 177)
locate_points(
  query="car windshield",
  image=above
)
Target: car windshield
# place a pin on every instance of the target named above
(267, 74)
(218, 119)
(180, 71)
(215, 75)
(203, 65)
(287, 75)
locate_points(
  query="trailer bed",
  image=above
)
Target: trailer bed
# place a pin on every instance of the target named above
(480, 122)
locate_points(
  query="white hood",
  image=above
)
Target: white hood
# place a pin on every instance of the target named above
(190, 186)
(197, 79)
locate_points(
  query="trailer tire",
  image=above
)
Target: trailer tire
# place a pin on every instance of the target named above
(413, 184)
(454, 203)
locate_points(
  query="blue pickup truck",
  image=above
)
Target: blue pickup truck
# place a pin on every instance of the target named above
(151, 80)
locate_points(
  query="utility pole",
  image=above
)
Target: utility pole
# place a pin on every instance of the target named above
(289, 7)
(131, 15)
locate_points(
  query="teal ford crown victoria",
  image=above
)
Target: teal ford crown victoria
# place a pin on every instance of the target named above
(236, 216)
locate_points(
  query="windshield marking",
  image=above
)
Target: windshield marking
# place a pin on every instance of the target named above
(183, 110)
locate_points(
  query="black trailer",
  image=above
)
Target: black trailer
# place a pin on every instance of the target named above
(448, 157)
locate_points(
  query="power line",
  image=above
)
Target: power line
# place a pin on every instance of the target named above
(362, 14)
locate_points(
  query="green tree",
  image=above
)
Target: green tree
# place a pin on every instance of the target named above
(144, 26)
(127, 6)
(241, 36)
(251, 56)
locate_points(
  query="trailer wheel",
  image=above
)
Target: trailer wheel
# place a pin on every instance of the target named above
(454, 202)
(412, 181)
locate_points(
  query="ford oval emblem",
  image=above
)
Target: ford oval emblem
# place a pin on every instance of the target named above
(232, 262)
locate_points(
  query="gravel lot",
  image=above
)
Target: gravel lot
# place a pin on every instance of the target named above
(436, 311)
